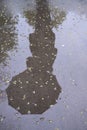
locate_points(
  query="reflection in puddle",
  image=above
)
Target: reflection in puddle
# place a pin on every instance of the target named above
(36, 89)
(70, 113)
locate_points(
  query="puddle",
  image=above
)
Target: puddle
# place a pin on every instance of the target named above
(59, 60)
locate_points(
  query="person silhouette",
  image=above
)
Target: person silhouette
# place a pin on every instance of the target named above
(36, 89)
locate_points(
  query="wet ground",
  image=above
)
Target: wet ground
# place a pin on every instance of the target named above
(43, 72)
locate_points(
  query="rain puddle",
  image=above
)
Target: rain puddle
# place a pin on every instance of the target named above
(43, 69)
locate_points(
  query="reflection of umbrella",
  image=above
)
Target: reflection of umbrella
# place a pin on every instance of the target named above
(33, 92)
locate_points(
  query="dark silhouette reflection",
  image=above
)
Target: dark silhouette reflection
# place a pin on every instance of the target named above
(36, 89)
(57, 17)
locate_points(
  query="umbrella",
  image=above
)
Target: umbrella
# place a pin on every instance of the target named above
(32, 92)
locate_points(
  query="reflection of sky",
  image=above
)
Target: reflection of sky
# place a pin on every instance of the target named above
(70, 67)
(71, 42)
(22, 51)
(18, 6)
(78, 6)
(17, 55)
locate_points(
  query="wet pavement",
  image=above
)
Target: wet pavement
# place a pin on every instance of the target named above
(43, 73)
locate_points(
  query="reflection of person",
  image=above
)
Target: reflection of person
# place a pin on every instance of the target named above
(42, 40)
(35, 89)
